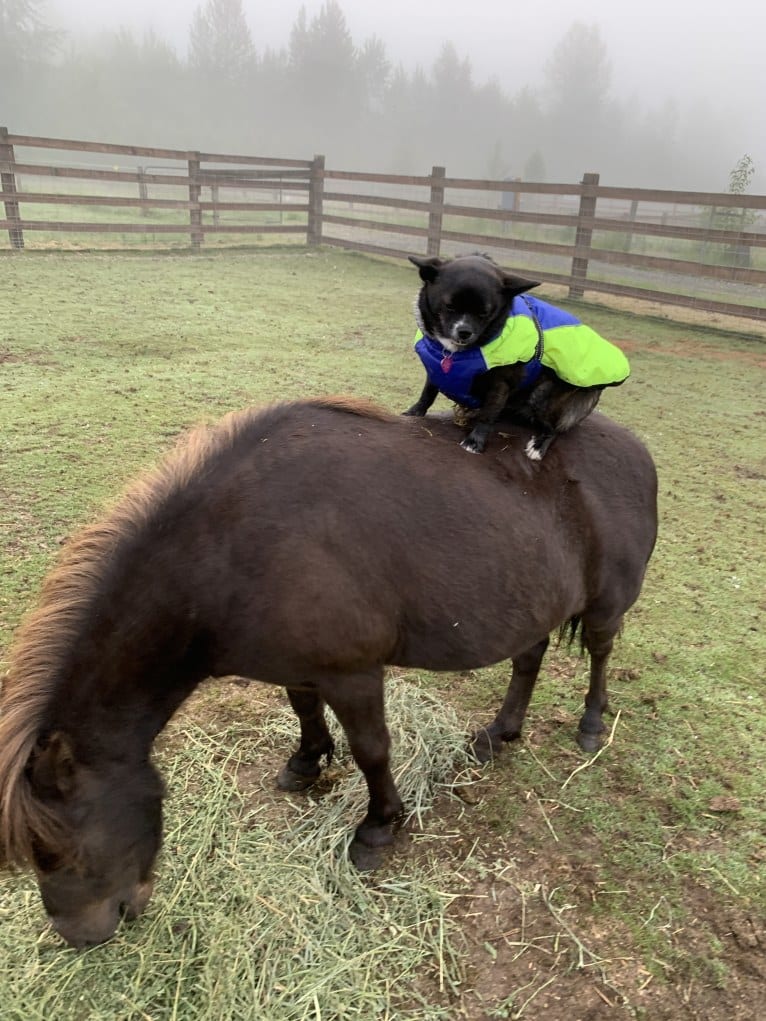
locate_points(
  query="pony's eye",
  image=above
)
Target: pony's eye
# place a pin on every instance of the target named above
(46, 861)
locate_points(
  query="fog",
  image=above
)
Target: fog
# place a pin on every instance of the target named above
(661, 94)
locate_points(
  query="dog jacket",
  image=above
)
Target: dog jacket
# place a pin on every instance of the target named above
(576, 353)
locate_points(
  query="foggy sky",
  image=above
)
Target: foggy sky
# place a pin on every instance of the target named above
(658, 49)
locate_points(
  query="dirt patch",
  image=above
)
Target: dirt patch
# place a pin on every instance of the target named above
(8, 357)
(536, 946)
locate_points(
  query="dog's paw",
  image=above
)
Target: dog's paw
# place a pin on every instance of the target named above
(533, 452)
(471, 445)
(413, 412)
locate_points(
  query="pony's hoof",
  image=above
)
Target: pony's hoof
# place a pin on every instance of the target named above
(372, 842)
(289, 780)
(365, 858)
(589, 743)
(482, 749)
(486, 747)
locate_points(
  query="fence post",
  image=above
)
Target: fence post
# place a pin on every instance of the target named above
(214, 196)
(8, 185)
(143, 190)
(583, 235)
(510, 201)
(436, 211)
(195, 212)
(316, 199)
(631, 220)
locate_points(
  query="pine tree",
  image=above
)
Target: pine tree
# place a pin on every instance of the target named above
(220, 44)
(24, 38)
(741, 175)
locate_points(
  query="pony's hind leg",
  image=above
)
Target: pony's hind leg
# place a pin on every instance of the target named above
(599, 642)
(357, 701)
(506, 726)
(302, 769)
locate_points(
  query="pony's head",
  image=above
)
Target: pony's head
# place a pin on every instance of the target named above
(99, 832)
(80, 801)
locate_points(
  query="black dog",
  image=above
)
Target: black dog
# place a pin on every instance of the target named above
(495, 351)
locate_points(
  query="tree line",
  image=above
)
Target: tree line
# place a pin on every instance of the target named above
(326, 92)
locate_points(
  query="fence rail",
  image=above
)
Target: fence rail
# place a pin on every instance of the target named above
(703, 250)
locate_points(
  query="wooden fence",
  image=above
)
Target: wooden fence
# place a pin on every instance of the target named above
(704, 250)
(183, 186)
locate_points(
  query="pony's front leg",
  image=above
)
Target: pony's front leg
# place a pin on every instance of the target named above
(357, 701)
(506, 726)
(302, 769)
(598, 642)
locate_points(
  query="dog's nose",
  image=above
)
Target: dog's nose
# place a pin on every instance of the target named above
(464, 335)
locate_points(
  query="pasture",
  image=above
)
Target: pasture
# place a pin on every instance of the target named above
(546, 886)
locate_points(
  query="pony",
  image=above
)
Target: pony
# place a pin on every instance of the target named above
(308, 545)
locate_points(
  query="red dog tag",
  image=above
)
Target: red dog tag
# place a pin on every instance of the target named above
(446, 363)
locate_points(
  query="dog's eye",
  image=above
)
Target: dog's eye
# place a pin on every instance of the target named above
(450, 307)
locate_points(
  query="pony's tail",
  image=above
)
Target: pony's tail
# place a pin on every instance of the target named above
(570, 630)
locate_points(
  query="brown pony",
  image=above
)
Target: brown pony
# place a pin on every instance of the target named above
(306, 545)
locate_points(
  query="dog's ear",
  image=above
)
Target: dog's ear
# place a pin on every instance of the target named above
(514, 285)
(429, 268)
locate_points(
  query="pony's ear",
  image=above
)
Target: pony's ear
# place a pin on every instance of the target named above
(52, 767)
(517, 285)
(429, 268)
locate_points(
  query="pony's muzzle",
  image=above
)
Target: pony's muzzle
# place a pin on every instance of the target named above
(99, 921)
(142, 892)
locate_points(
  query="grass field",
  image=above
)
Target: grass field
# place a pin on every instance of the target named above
(631, 888)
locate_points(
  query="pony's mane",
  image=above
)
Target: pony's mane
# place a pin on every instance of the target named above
(350, 405)
(67, 593)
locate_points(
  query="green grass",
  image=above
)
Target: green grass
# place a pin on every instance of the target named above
(104, 359)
